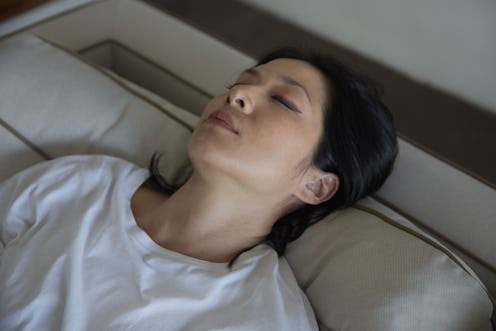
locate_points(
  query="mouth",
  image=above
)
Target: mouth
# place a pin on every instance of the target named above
(223, 119)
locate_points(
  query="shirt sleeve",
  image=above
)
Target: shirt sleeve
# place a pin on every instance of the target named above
(34, 194)
(17, 203)
(22, 194)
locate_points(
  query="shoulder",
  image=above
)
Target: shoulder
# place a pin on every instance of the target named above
(76, 171)
(277, 293)
(265, 260)
(87, 162)
(75, 163)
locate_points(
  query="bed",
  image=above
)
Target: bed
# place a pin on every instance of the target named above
(109, 87)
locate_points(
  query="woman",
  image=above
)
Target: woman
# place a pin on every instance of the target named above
(108, 245)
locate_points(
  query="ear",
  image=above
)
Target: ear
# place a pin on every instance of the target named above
(317, 186)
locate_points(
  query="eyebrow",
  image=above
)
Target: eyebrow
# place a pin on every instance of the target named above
(286, 79)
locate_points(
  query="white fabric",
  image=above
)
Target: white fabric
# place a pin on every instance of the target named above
(73, 258)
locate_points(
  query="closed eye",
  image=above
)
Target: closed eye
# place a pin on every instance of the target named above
(286, 103)
(279, 99)
(230, 86)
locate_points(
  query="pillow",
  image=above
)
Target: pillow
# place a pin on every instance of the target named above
(368, 268)
(63, 105)
(363, 268)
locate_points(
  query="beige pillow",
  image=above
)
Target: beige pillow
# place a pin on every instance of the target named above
(368, 268)
(364, 268)
(63, 105)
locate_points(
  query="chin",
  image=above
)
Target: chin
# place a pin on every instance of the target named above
(206, 156)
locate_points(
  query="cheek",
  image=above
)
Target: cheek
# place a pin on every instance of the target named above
(286, 137)
(280, 150)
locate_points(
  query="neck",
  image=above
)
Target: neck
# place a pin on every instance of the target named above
(209, 222)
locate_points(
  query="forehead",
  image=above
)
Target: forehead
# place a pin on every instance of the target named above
(303, 72)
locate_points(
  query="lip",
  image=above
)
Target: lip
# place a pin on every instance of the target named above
(223, 119)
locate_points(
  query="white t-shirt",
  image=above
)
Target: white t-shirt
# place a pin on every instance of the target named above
(73, 258)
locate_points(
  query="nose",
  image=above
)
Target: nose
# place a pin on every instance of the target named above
(240, 98)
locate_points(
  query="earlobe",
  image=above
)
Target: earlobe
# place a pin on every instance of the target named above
(320, 187)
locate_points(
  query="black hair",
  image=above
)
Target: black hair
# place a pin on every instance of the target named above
(358, 144)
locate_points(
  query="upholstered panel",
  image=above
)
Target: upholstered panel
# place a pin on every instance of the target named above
(134, 67)
(444, 199)
(163, 39)
(76, 21)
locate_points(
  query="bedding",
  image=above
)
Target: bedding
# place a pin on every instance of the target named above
(364, 268)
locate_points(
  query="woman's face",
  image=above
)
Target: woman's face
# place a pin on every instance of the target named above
(263, 131)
